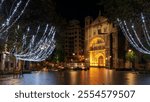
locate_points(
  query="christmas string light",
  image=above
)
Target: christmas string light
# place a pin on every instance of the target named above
(146, 33)
(7, 21)
(130, 37)
(34, 53)
(37, 51)
(134, 35)
(1, 3)
(11, 19)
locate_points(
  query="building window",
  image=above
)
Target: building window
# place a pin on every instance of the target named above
(105, 29)
(86, 23)
(94, 33)
(114, 25)
(12, 64)
(0, 57)
(90, 36)
(99, 31)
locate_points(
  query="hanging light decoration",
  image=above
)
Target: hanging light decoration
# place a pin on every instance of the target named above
(37, 49)
(137, 33)
(17, 9)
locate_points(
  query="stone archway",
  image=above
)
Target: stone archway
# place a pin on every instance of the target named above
(101, 61)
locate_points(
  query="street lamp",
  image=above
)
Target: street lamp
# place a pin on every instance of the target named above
(129, 50)
(131, 57)
(73, 56)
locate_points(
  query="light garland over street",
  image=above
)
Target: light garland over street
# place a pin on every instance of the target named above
(37, 49)
(137, 33)
(17, 9)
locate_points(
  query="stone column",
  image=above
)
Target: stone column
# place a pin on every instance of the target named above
(3, 61)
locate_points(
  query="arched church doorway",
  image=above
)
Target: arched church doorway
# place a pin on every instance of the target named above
(101, 61)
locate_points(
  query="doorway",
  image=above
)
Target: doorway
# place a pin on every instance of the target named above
(101, 61)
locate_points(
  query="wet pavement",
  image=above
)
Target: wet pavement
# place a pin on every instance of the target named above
(94, 76)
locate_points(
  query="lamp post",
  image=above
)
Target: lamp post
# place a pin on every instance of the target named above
(73, 57)
(131, 57)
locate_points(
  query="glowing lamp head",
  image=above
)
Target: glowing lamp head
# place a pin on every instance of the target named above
(129, 50)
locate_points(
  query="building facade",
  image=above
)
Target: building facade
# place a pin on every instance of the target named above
(102, 43)
(74, 42)
(8, 62)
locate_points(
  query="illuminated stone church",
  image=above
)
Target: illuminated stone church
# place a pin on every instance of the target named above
(102, 43)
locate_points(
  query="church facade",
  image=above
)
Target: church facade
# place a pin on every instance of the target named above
(102, 43)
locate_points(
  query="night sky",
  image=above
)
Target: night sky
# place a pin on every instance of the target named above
(77, 9)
